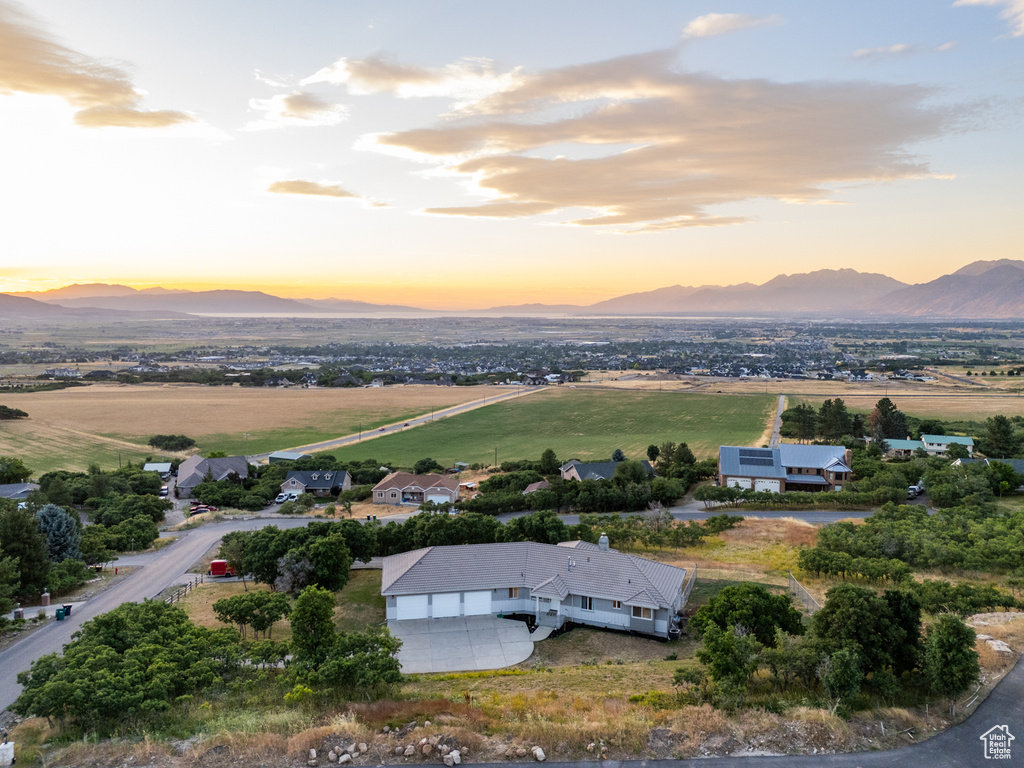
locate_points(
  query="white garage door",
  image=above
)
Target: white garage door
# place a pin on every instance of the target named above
(446, 604)
(411, 607)
(737, 482)
(438, 498)
(477, 603)
(767, 485)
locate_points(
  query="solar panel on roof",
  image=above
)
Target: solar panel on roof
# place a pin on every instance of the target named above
(755, 453)
(756, 462)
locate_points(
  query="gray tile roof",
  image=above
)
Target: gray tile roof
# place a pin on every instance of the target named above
(805, 480)
(17, 491)
(600, 470)
(811, 456)
(740, 461)
(318, 479)
(193, 470)
(542, 568)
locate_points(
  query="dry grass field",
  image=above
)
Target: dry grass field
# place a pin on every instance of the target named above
(72, 428)
(953, 406)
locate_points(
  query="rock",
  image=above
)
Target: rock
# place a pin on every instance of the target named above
(399, 750)
(538, 754)
(443, 749)
(590, 747)
(455, 756)
(426, 724)
(345, 758)
(449, 761)
(351, 749)
(361, 746)
(521, 752)
(426, 749)
(510, 753)
(410, 751)
(332, 756)
(386, 729)
(983, 637)
(312, 754)
(311, 763)
(423, 741)
(432, 741)
(999, 646)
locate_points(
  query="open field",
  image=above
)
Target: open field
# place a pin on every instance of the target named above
(102, 423)
(962, 406)
(583, 423)
(359, 604)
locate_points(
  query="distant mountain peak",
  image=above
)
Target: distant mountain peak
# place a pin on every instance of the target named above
(981, 267)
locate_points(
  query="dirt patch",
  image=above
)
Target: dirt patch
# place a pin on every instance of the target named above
(593, 646)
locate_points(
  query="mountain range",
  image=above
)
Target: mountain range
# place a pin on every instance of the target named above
(980, 290)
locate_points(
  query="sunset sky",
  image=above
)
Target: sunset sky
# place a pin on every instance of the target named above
(471, 154)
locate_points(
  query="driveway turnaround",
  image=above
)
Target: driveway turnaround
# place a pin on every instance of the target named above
(461, 644)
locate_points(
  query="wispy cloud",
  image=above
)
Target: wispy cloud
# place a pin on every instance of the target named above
(722, 23)
(31, 62)
(296, 108)
(1013, 12)
(318, 189)
(466, 81)
(899, 49)
(677, 143)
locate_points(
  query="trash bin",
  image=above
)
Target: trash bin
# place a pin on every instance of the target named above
(374, 517)
(60, 614)
(367, 518)
(67, 609)
(673, 633)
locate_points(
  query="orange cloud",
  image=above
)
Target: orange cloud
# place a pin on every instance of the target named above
(30, 62)
(722, 23)
(298, 108)
(303, 187)
(677, 143)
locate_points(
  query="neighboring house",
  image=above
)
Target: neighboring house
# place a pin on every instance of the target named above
(935, 445)
(17, 491)
(277, 456)
(161, 468)
(195, 470)
(407, 488)
(595, 470)
(319, 482)
(1016, 464)
(538, 486)
(789, 467)
(63, 373)
(574, 581)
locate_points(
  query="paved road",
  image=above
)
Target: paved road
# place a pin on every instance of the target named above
(162, 569)
(777, 426)
(443, 413)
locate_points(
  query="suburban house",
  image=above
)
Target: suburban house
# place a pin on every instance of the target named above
(17, 491)
(319, 482)
(1017, 465)
(789, 467)
(574, 581)
(540, 485)
(934, 445)
(407, 488)
(196, 469)
(595, 470)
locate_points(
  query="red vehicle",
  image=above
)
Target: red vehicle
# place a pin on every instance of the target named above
(221, 568)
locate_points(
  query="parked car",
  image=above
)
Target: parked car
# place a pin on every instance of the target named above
(293, 496)
(164, 490)
(281, 497)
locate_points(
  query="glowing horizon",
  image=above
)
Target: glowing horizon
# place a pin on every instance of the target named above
(485, 156)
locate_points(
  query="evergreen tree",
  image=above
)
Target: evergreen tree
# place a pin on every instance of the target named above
(63, 533)
(20, 539)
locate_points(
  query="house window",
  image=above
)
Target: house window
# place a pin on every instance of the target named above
(587, 603)
(394, 495)
(616, 604)
(513, 592)
(640, 612)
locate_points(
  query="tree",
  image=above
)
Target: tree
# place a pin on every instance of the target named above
(618, 455)
(312, 623)
(887, 421)
(12, 470)
(1000, 440)
(363, 661)
(834, 420)
(957, 451)
(63, 533)
(7, 413)
(652, 453)
(753, 608)
(135, 660)
(95, 545)
(856, 618)
(729, 654)
(950, 661)
(805, 421)
(423, 466)
(841, 674)
(630, 472)
(10, 581)
(549, 462)
(20, 539)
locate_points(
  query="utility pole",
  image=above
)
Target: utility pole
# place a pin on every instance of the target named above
(495, 456)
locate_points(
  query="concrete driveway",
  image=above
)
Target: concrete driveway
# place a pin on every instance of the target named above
(461, 644)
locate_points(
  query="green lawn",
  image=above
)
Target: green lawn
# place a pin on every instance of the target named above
(581, 423)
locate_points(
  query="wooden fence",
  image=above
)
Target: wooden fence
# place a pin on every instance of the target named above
(179, 593)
